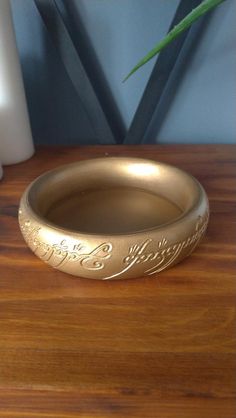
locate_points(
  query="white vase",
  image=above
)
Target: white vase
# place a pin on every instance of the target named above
(15, 134)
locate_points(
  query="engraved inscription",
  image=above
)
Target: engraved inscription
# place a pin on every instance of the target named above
(95, 259)
(157, 254)
(59, 254)
(163, 254)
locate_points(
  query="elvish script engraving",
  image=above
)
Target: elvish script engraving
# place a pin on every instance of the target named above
(163, 254)
(60, 253)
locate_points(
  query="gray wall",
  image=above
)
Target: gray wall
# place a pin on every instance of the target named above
(55, 111)
(203, 103)
(204, 106)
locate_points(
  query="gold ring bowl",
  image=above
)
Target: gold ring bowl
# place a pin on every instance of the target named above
(113, 218)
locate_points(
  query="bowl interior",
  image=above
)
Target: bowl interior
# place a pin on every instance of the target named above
(113, 196)
(116, 210)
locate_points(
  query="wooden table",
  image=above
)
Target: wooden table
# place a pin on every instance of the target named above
(151, 347)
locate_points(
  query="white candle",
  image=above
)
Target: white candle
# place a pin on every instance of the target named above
(15, 134)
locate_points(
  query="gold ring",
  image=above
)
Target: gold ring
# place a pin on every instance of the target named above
(113, 218)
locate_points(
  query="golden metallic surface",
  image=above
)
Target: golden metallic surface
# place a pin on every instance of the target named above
(113, 218)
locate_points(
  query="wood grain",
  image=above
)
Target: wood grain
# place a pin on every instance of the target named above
(154, 347)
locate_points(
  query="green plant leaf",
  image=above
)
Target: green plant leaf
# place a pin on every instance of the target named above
(184, 24)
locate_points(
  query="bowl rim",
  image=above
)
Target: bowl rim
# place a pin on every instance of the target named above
(44, 222)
